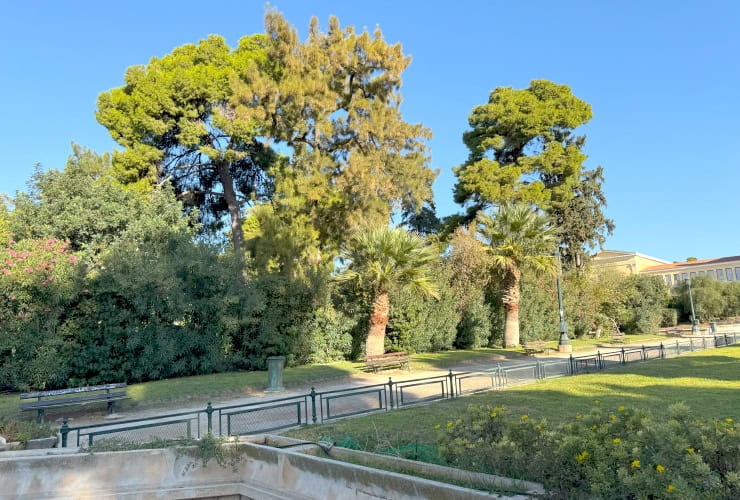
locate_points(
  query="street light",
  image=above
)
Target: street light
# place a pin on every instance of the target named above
(694, 323)
(564, 342)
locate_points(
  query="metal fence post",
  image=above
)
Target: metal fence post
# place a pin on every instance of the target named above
(390, 390)
(572, 368)
(64, 431)
(691, 343)
(644, 357)
(313, 405)
(452, 387)
(209, 413)
(599, 360)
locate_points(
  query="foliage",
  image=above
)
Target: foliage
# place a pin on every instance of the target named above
(581, 222)
(538, 310)
(174, 120)
(421, 325)
(731, 294)
(37, 283)
(647, 297)
(82, 204)
(333, 104)
(708, 295)
(606, 453)
(23, 430)
(174, 319)
(669, 318)
(474, 330)
(522, 148)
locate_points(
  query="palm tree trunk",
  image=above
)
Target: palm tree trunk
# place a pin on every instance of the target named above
(378, 321)
(512, 293)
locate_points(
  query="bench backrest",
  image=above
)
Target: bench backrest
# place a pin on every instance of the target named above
(388, 355)
(73, 390)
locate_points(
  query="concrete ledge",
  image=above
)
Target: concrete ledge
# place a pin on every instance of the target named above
(263, 472)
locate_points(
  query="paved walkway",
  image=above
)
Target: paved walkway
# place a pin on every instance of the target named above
(355, 380)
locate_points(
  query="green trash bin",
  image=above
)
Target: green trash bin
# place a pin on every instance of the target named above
(275, 373)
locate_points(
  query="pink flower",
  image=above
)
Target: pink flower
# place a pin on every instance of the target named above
(11, 242)
(73, 259)
(12, 297)
(8, 262)
(19, 315)
(6, 270)
(29, 271)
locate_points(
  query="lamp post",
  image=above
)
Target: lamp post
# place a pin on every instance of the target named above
(564, 341)
(694, 325)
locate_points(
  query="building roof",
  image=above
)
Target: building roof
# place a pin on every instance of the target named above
(615, 254)
(688, 265)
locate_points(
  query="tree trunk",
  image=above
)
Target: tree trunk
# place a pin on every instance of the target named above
(235, 211)
(512, 293)
(378, 321)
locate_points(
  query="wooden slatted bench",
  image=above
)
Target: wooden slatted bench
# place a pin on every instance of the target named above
(57, 399)
(400, 359)
(617, 337)
(533, 347)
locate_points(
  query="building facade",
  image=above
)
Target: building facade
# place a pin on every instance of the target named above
(721, 269)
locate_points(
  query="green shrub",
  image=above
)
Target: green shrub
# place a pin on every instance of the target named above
(670, 317)
(421, 325)
(605, 453)
(474, 328)
(24, 430)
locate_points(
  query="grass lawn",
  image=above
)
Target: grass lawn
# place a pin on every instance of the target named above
(708, 381)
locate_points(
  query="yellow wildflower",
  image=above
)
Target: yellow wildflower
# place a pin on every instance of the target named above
(612, 417)
(635, 464)
(437, 426)
(670, 488)
(594, 427)
(493, 414)
(728, 420)
(449, 424)
(660, 468)
(578, 416)
(581, 457)
(616, 440)
(690, 451)
(525, 417)
(621, 408)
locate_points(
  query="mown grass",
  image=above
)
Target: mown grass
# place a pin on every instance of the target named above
(708, 382)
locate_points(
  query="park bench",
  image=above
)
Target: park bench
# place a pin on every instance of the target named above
(617, 337)
(400, 359)
(533, 347)
(72, 397)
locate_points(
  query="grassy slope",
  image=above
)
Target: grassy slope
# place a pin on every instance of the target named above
(707, 381)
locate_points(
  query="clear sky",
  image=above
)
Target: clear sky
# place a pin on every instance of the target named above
(663, 79)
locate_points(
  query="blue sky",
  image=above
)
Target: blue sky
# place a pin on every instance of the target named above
(662, 78)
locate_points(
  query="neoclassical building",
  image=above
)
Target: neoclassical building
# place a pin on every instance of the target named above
(722, 269)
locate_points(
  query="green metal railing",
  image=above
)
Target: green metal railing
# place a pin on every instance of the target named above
(319, 407)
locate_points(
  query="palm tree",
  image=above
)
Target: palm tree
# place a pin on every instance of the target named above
(520, 240)
(379, 259)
